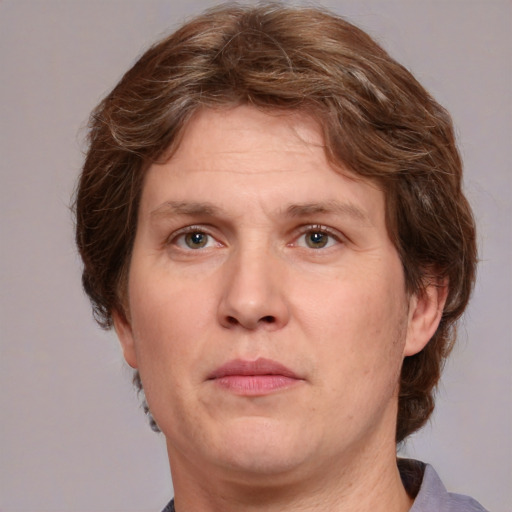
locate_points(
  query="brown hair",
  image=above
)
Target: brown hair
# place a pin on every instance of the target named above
(378, 121)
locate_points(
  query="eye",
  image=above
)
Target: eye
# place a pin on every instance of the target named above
(317, 238)
(194, 240)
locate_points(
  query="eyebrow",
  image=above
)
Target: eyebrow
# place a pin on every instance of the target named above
(170, 208)
(330, 207)
(185, 208)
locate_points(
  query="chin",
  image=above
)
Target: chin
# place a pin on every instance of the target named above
(263, 448)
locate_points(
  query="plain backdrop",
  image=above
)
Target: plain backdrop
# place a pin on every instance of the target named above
(72, 436)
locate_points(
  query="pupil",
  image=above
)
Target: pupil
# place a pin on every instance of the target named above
(196, 240)
(317, 239)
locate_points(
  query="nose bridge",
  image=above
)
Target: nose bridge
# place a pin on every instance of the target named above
(253, 292)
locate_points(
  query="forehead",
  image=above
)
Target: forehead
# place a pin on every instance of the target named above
(245, 131)
(242, 155)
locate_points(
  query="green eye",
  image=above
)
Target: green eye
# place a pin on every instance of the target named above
(196, 240)
(316, 239)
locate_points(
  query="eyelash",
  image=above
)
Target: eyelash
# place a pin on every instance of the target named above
(188, 230)
(333, 236)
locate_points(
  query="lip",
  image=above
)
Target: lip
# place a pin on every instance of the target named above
(254, 378)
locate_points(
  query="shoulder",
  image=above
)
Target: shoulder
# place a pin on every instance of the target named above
(431, 494)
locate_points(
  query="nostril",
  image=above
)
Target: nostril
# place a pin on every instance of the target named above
(233, 321)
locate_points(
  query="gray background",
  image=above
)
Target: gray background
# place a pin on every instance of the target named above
(72, 437)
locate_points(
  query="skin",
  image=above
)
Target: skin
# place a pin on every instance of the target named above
(251, 245)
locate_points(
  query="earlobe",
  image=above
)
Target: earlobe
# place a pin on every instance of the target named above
(425, 312)
(124, 333)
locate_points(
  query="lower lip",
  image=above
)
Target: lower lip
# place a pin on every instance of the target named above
(256, 385)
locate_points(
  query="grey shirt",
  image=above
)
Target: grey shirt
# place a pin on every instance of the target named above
(422, 481)
(433, 496)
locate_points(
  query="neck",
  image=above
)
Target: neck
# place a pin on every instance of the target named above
(363, 485)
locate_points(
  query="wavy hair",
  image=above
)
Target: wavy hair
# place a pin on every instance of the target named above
(378, 121)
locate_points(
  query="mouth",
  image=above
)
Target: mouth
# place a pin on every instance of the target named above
(254, 378)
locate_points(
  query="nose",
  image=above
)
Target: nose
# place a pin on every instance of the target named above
(253, 295)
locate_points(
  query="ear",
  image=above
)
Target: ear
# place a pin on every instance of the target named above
(125, 334)
(425, 312)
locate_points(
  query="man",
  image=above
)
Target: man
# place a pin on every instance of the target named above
(270, 214)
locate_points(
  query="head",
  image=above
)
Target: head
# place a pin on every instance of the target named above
(376, 120)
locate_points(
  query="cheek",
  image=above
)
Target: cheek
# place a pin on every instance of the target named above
(157, 318)
(172, 321)
(359, 326)
(162, 350)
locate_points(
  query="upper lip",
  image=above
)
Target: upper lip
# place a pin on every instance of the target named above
(260, 366)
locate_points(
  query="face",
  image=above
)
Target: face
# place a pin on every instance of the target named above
(267, 308)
